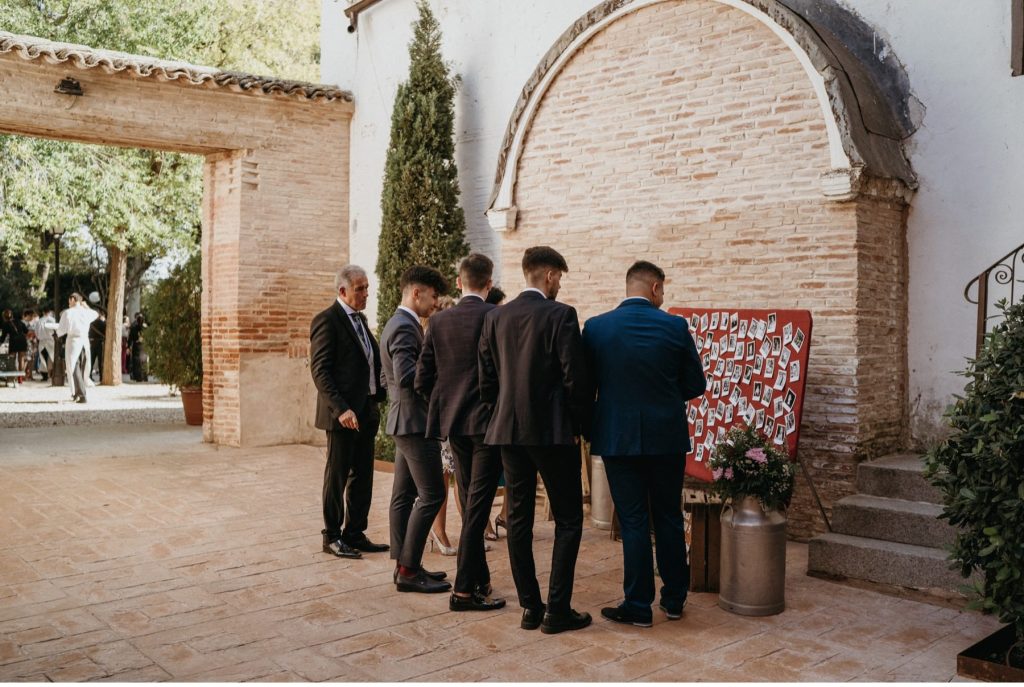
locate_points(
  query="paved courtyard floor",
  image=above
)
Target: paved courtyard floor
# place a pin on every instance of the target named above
(139, 554)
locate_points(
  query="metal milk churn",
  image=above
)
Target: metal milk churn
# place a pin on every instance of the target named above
(753, 563)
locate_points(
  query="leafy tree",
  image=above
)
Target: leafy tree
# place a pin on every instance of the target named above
(135, 205)
(422, 222)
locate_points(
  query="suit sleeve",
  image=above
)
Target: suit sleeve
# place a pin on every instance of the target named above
(692, 378)
(486, 368)
(576, 378)
(426, 367)
(322, 356)
(404, 350)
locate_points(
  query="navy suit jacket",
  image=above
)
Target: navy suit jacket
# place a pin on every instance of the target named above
(646, 368)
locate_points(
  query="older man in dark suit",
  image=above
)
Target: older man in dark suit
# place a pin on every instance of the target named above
(447, 375)
(532, 369)
(345, 363)
(418, 489)
(646, 368)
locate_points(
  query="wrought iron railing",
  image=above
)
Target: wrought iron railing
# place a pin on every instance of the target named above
(999, 281)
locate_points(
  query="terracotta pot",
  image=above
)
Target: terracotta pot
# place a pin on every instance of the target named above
(192, 401)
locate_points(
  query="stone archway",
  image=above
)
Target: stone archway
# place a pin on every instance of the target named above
(275, 205)
(725, 141)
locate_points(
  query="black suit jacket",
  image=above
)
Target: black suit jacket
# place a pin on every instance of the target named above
(532, 368)
(339, 367)
(447, 372)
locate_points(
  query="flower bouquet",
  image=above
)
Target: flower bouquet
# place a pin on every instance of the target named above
(745, 463)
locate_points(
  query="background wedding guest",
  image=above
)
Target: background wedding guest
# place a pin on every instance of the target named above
(14, 332)
(497, 297)
(439, 530)
(45, 341)
(645, 368)
(74, 324)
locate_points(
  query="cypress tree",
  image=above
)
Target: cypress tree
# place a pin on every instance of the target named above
(422, 222)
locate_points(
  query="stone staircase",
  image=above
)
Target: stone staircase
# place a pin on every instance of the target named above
(889, 532)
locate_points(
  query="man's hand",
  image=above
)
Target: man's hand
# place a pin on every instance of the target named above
(348, 420)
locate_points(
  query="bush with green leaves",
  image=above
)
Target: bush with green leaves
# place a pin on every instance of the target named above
(745, 463)
(980, 471)
(173, 338)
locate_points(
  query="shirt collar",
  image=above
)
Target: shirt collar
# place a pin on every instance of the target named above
(470, 295)
(636, 298)
(345, 306)
(410, 311)
(534, 288)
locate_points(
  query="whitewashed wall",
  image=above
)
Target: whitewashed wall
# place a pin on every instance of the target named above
(968, 153)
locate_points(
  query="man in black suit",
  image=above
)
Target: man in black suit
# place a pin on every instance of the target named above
(345, 363)
(532, 369)
(418, 490)
(447, 375)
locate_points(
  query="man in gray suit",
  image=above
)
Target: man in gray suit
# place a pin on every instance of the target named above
(418, 490)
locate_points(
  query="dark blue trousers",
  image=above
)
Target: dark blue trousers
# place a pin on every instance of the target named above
(642, 485)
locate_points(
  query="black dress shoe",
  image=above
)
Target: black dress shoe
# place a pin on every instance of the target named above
(621, 614)
(532, 618)
(341, 549)
(564, 622)
(421, 583)
(365, 545)
(439, 575)
(474, 602)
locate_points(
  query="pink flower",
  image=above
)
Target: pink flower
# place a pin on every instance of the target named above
(716, 474)
(728, 473)
(757, 455)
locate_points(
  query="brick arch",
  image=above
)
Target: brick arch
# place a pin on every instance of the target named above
(687, 132)
(274, 207)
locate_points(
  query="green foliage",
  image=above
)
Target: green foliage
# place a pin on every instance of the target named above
(980, 470)
(173, 338)
(746, 464)
(422, 222)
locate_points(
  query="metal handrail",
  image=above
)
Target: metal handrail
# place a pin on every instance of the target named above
(1002, 271)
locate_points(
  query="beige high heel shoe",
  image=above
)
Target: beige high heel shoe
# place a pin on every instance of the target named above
(441, 548)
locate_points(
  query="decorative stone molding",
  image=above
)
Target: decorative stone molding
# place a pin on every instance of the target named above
(503, 219)
(841, 185)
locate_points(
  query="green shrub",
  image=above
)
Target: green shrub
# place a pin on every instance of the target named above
(980, 471)
(173, 338)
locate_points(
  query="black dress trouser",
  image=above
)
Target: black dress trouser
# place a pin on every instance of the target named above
(559, 467)
(348, 476)
(477, 471)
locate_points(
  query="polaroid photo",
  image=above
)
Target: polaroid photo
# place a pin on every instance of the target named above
(728, 414)
(777, 407)
(703, 407)
(734, 321)
(735, 396)
(700, 454)
(714, 320)
(776, 345)
(790, 423)
(732, 342)
(758, 364)
(780, 381)
(762, 329)
(748, 373)
(694, 322)
(737, 374)
(711, 421)
(699, 343)
(759, 418)
(749, 415)
(742, 403)
(743, 329)
(720, 411)
(766, 396)
(708, 340)
(716, 389)
(780, 435)
(794, 371)
(715, 350)
(769, 426)
(787, 333)
(726, 387)
(750, 350)
(771, 322)
(798, 340)
(691, 414)
(706, 361)
(729, 365)
(723, 321)
(719, 367)
(719, 434)
(789, 400)
(769, 367)
(757, 390)
(784, 357)
(704, 321)
(766, 348)
(698, 428)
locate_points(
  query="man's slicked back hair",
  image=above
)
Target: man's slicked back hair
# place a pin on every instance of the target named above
(540, 257)
(346, 274)
(424, 276)
(476, 270)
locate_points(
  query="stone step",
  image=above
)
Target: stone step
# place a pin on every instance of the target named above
(899, 476)
(886, 562)
(895, 520)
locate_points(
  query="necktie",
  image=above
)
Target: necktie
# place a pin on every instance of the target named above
(359, 320)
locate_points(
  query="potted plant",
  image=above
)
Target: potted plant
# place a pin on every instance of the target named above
(979, 469)
(173, 336)
(755, 481)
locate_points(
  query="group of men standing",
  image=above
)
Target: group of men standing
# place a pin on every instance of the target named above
(511, 388)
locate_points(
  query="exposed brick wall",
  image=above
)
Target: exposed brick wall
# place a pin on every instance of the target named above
(275, 222)
(688, 134)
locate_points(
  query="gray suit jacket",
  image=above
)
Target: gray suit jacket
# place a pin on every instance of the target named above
(400, 345)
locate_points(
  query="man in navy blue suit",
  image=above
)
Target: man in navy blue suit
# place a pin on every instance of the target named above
(646, 368)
